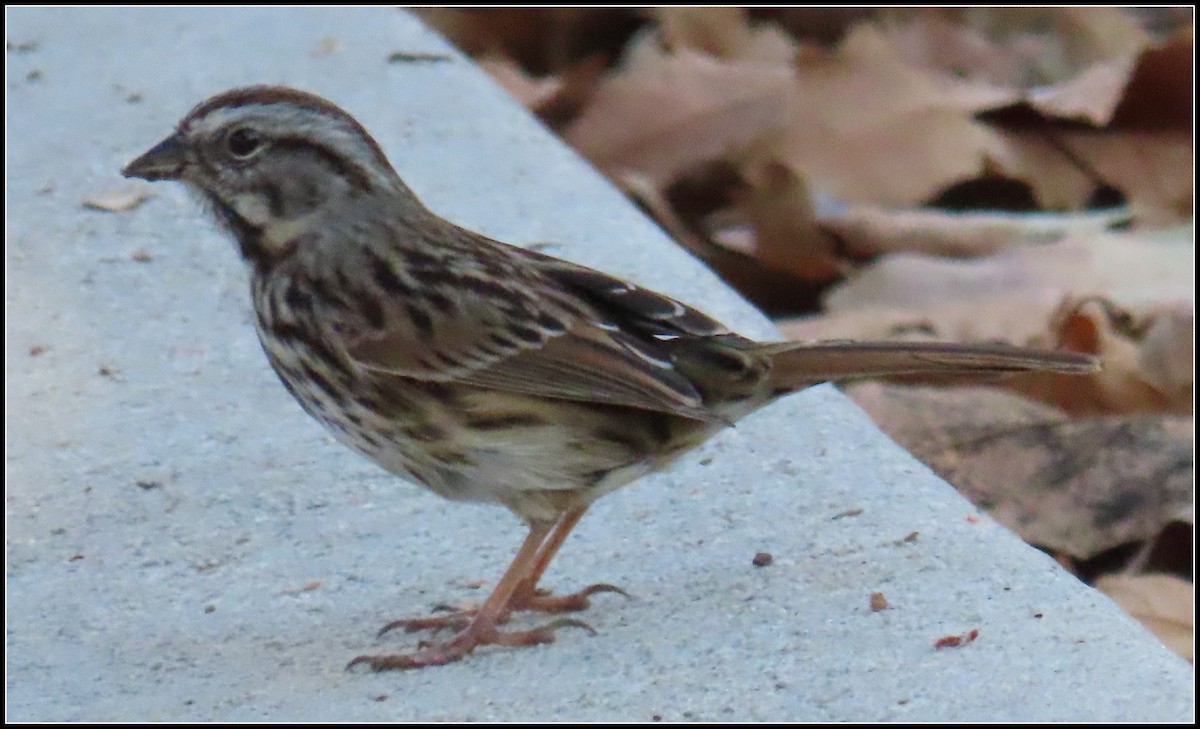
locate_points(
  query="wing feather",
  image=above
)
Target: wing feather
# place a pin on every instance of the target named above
(522, 322)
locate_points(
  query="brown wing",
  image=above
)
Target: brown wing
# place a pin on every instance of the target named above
(498, 317)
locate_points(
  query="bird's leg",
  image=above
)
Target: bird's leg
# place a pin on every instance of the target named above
(481, 630)
(527, 595)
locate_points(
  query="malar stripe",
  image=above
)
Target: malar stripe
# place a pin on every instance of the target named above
(248, 236)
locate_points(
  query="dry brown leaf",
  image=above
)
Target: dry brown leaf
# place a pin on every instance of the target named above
(1075, 36)
(967, 58)
(1147, 353)
(717, 31)
(1160, 93)
(120, 197)
(786, 232)
(1075, 486)
(1090, 35)
(1167, 355)
(825, 25)
(642, 189)
(771, 290)
(1154, 170)
(1123, 267)
(866, 231)
(866, 127)
(1143, 103)
(1018, 320)
(1090, 97)
(724, 32)
(777, 205)
(1071, 38)
(1165, 604)
(528, 91)
(1098, 59)
(554, 99)
(660, 115)
(1057, 182)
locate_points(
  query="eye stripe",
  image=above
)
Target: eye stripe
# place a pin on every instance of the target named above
(263, 95)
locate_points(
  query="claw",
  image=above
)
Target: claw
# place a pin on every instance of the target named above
(568, 623)
(605, 587)
(412, 625)
(464, 643)
(543, 601)
(540, 600)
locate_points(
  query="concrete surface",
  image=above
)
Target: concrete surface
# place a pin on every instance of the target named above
(185, 544)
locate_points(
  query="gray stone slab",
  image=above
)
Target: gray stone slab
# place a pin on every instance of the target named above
(168, 505)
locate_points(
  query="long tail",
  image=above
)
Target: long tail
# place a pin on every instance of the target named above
(799, 364)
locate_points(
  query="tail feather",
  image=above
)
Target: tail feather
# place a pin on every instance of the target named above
(799, 364)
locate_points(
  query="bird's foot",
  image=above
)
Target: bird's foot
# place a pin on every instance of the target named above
(541, 601)
(476, 634)
(454, 619)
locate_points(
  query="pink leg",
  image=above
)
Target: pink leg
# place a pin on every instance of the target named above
(481, 630)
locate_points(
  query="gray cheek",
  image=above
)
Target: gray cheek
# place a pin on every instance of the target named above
(295, 196)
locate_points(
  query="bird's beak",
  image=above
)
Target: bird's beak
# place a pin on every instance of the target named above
(164, 161)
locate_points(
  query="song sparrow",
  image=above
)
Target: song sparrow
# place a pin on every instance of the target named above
(483, 371)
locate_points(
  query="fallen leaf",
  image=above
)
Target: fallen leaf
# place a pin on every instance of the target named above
(1124, 266)
(703, 108)
(1154, 171)
(1094, 35)
(1159, 92)
(1077, 487)
(526, 90)
(717, 31)
(866, 231)
(1147, 352)
(120, 197)
(1091, 97)
(724, 32)
(769, 289)
(327, 46)
(1165, 604)
(966, 58)
(866, 127)
(777, 205)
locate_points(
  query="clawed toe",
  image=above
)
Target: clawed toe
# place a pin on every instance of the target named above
(458, 621)
(544, 602)
(464, 643)
(541, 601)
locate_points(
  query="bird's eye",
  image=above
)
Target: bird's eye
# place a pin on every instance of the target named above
(243, 142)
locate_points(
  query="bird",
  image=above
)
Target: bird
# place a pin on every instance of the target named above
(482, 371)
